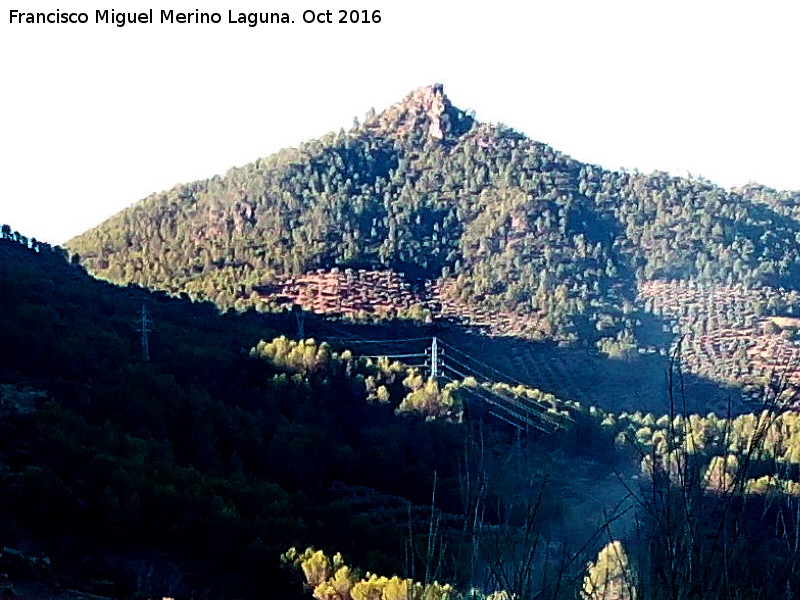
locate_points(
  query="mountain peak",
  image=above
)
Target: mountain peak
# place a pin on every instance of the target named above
(427, 109)
(433, 103)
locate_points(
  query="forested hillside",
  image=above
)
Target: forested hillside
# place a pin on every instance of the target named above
(235, 391)
(188, 470)
(493, 221)
(193, 470)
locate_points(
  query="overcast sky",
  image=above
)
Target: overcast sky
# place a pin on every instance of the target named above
(96, 117)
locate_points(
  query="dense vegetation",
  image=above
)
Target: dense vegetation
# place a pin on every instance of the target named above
(190, 469)
(202, 452)
(714, 515)
(192, 472)
(505, 222)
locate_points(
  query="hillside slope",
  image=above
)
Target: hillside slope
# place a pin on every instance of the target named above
(491, 220)
(195, 469)
(185, 472)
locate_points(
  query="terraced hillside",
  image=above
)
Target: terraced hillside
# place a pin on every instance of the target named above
(731, 333)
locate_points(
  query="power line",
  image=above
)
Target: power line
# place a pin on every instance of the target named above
(506, 404)
(476, 374)
(387, 341)
(522, 412)
(499, 403)
(473, 372)
(497, 415)
(144, 329)
(492, 397)
(486, 365)
(446, 376)
(524, 403)
(434, 358)
(419, 354)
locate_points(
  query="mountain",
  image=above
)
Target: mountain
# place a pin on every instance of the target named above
(479, 217)
(155, 444)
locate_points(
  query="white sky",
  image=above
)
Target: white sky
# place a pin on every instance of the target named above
(95, 117)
